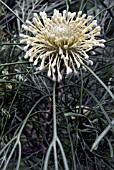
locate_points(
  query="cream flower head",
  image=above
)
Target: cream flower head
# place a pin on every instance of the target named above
(61, 42)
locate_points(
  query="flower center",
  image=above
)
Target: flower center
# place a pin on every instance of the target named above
(61, 31)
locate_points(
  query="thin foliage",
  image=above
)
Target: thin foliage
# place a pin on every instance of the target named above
(83, 103)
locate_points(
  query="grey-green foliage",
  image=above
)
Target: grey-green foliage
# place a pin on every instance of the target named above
(84, 103)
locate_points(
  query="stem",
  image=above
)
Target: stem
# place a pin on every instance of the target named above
(54, 113)
(100, 81)
(12, 11)
(53, 143)
(63, 154)
(54, 127)
(55, 155)
(55, 139)
(68, 5)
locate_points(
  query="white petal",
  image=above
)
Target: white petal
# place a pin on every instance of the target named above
(49, 72)
(60, 51)
(35, 62)
(22, 41)
(28, 22)
(54, 78)
(26, 47)
(69, 70)
(59, 77)
(25, 27)
(90, 62)
(26, 56)
(31, 59)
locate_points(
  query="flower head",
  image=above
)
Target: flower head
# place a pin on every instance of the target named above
(61, 42)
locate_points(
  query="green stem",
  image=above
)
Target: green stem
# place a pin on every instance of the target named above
(54, 127)
(68, 5)
(53, 143)
(55, 139)
(100, 81)
(55, 155)
(12, 11)
(54, 113)
(63, 154)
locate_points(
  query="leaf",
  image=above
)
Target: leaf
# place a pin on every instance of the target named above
(101, 136)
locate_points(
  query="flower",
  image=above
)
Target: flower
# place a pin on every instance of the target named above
(61, 42)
